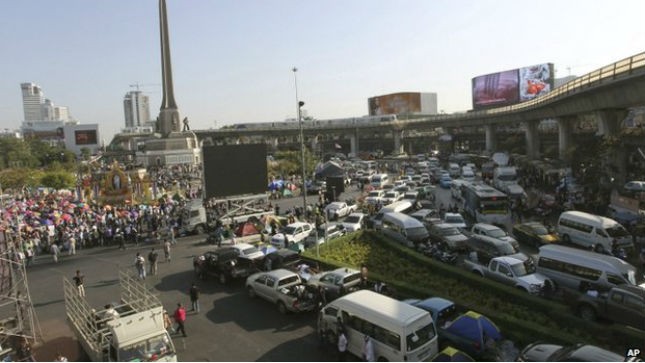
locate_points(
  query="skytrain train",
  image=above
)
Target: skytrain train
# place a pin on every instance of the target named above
(353, 121)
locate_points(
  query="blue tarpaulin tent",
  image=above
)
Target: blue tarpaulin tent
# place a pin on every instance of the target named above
(475, 328)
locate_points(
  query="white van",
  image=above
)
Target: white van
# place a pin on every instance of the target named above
(399, 331)
(589, 230)
(404, 229)
(568, 267)
(402, 206)
(454, 170)
(378, 180)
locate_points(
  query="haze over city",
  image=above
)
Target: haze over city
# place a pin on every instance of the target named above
(232, 60)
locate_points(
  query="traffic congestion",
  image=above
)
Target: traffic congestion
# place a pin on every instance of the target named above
(478, 214)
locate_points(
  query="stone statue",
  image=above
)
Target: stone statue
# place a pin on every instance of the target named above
(186, 127)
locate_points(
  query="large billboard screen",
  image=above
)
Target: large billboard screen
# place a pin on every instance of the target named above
(535, 81)
(513, 86)
(495, 89)
(85, 137)
(232, 170)
(396, 103)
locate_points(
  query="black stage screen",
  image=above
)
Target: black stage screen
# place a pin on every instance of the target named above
(231, 170)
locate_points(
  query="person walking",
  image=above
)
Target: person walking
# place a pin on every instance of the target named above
(166, 250)
(55, 251)
(194, 297)
(342, 345)
(72, 246)
(139, 264)
(78, 280)
(180, 319)
(368, 349)
(152, 260)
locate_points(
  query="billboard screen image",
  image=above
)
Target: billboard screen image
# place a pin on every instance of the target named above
(396, 103)
(231, 170)
(85, 137)
(535, 81)
(496, 89)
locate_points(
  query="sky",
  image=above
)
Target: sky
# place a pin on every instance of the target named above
(232, 60)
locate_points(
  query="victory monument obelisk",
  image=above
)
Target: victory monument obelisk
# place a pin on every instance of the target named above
(168, 120)
(172, 145)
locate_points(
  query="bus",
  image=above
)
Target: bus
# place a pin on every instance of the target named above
(485, 204)
(399, 331)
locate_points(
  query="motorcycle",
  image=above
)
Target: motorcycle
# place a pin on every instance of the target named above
(439, 253)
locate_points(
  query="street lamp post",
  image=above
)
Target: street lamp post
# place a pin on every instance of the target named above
(299, 105)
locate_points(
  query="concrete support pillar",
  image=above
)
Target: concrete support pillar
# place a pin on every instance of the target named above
(609, 121)
(609, 127)
(398, 146)
(565, 125)
(491, 138)
(353, 144)
(532, 140)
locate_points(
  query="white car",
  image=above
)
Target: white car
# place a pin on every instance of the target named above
(635, 186)
(335, 210)
(354, 222)
(294, 233)
(248, 251)
(455, 220)
(374, 197)
(391, 197)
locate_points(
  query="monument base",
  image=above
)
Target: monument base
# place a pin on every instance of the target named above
(176, 148)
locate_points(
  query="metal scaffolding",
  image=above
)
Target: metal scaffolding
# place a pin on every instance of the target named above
(18, 318)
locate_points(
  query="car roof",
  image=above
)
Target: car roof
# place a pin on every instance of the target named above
(343, 271)
(452, 215)
(280, 273)
(357, 214)
(296, 224)
(591, 353)
(485, 226)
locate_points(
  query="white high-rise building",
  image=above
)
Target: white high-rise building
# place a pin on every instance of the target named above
(61, 113)
(136, 108)
(32, 101)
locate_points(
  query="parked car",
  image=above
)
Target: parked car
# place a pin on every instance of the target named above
(490, 230)
(283, 288)
(282, 258)
(488, 248)
(624, 304)
(336, 282)
(535, 234)
(445, 181)
(223, 264)
(316, 187)
(455, 220)
(635, 186)
(391, 197)
(354, 222)
(448, 236)
(332, 230)
(249, 251)
(374, 197)
(412, 196)
(542, 352)
(294, 233)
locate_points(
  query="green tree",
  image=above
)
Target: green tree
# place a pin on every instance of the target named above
(290, 162)
(58, 180)
(16, 178)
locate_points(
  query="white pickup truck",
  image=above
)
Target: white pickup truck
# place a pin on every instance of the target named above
(335, 210)
(283, 288)
(510, 271)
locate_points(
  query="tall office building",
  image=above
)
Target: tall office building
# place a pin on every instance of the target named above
(136, 108)
(38, 108)
(32, 101)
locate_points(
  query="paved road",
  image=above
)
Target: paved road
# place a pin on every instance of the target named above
(230, 327)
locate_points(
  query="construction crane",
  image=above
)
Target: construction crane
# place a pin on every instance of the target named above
(138, 85)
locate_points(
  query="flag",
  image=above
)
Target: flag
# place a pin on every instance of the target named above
(337, 146)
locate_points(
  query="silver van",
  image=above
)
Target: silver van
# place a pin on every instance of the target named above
(568, 267)
(404, 229)
(402, 206)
